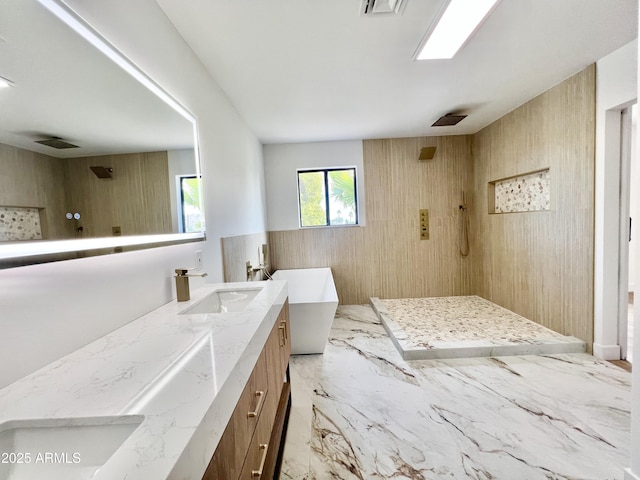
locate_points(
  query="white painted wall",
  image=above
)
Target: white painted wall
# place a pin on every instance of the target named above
(633, 472)
(616, 88)
(634, 206)
(281, 164)
(49, 310)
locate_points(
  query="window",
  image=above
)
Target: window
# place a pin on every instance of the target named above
(327, 197)
(191, 218)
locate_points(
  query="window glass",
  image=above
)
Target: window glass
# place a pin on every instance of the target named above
(342, 197)
(327, 197)
(192, 218)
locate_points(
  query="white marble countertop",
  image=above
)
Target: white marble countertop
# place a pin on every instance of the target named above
(183, 373)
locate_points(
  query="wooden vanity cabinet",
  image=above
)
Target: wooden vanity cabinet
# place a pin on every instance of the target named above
(251, 445)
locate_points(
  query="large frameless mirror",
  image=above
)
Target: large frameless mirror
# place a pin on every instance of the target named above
(95, 158)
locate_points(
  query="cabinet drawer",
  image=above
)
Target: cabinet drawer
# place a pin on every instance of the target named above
(251, 404)
(258, 451)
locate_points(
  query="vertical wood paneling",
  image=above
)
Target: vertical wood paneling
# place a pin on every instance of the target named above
(29, 179)
(136, 199)
(386, 258)
(540, 264)
(237, 251)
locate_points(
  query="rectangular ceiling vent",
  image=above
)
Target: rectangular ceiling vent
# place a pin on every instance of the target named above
(381, 7)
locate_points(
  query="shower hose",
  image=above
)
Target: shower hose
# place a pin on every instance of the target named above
(463, 245)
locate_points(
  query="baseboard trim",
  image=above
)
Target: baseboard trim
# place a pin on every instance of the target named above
(606, 352)
(629, 475)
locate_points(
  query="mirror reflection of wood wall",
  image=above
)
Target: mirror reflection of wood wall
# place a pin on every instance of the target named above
(136, 198)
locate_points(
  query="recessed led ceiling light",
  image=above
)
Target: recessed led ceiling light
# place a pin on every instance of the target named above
(4, 83)
(458, 22)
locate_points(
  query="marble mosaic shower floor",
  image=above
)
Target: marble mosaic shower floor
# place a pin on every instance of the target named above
(465, 326)
(361, 412)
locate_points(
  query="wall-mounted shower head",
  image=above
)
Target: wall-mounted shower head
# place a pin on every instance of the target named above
(427, 153)
(102, 172)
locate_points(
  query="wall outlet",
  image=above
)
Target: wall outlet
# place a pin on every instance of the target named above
(199, 263)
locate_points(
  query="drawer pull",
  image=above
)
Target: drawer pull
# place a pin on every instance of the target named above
(283, 337)
(286, 334)
(260, 395)
(258, 473)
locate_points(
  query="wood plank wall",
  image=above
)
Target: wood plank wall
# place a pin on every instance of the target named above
(136, 199)
(540, 264)
(237, 251)
(29, 179)
(386, 258)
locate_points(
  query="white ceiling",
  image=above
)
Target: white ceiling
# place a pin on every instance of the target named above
(303, 70)
(65, 87)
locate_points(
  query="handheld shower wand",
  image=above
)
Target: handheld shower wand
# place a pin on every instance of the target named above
(463, 245)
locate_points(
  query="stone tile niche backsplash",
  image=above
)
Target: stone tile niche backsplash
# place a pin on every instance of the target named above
(524, 193)
(19, 223)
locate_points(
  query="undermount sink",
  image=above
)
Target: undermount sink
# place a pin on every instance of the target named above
(61, 449)
(223, 301)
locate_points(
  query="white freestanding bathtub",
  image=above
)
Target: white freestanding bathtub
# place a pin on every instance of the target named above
(312, 305)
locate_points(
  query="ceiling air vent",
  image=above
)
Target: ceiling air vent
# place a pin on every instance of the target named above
(381, 7)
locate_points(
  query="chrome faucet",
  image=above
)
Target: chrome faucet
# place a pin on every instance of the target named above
(182, 283)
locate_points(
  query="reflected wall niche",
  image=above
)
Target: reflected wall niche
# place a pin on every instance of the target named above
(19, 223)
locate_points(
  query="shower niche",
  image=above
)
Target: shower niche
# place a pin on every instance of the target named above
(20, 223)
(528, 192)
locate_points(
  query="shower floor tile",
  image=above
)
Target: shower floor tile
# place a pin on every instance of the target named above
(465, 326)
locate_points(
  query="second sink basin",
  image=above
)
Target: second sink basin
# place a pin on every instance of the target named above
(64, 449)
(222, 301)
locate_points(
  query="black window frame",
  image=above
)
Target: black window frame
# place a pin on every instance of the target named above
(326, 171)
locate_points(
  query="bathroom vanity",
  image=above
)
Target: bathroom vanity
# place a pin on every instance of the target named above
(191, 390)
(250, 445)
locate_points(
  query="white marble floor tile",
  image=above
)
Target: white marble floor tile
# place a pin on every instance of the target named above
(298, 443)
(369, 414)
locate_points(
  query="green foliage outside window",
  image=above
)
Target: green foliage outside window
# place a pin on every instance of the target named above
(318, 207)
(192, 218)
(312, 199)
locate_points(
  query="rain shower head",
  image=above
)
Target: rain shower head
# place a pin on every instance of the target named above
(56, 142)
(427, 153)
(102, 172)
(449, 120)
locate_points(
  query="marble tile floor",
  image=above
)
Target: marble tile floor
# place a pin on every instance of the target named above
(464, 327)
(361, 412)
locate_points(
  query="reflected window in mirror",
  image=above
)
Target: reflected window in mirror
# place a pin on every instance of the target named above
(191, 215)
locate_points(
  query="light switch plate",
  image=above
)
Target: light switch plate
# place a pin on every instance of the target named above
(198, 256)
